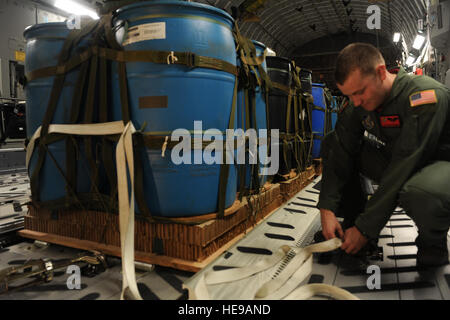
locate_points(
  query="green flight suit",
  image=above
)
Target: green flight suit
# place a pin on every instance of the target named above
(404, 146)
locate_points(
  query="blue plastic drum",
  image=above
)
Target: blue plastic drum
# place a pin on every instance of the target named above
(43, 45)
(170, 97)
(318, 117)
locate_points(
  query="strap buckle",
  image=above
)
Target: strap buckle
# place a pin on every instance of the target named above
(61, 69)
(191, 60)
(48, 273)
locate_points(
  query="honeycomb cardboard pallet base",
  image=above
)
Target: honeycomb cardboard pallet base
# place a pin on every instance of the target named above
(292, 186)
(187, 247)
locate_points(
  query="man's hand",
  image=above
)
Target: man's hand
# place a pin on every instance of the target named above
(330, 225)
(354, 241)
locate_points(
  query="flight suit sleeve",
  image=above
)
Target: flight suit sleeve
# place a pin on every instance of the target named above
(339, 149)
(415, 146)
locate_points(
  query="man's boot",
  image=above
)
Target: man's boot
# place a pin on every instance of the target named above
(431, 255)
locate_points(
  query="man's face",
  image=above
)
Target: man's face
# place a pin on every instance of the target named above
(363, 90)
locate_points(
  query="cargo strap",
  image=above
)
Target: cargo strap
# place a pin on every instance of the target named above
(187, 59)
(282, 87)
(296, 265)
(307, 136)
(298, 110)
(306, 103)
(74, 37)
(71, 143)
(252, 75)
(290, 136)
(97, 129)
(161, 142)
(299, 102)
(93, 62)
(124, 160)
(93, 69)
(287, 136)
(296, 76)
(124, 156)
(249, 60)
(225, 167)
(151, 142)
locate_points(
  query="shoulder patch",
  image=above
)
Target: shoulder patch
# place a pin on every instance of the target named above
(423, 97)
(390, 121)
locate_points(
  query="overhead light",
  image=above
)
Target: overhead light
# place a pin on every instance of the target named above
(75, 8)
(397, 37)
(410, 61)
(418, 42)
(420, 25)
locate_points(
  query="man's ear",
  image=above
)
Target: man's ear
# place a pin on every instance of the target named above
(381, 71)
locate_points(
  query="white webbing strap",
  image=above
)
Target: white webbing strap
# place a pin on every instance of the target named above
(200, 291)
(230, 275)
(279, 287)
(300, 274)
(124, 158)
(311, 290)
(302, 255)
(274, 284)
(97, 129)
(298, 277)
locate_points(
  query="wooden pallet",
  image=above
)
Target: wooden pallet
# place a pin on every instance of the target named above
(186, 247)
(156, 243)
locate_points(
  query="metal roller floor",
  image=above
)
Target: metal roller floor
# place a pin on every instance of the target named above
(400, 278)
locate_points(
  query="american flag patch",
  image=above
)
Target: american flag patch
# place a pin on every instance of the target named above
(423, 97)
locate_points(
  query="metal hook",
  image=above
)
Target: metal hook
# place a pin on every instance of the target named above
(171, 58)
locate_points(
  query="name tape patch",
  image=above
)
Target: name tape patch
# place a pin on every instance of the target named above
(423, 97)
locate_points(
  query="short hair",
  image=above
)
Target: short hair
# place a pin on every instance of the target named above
(358, 55)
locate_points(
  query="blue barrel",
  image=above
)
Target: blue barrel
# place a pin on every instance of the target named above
(43, 45)
(170, 97)
(280, 71)
(261, 120)
(318, 117)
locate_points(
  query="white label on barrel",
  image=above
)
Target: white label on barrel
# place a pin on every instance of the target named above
(148, 31)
